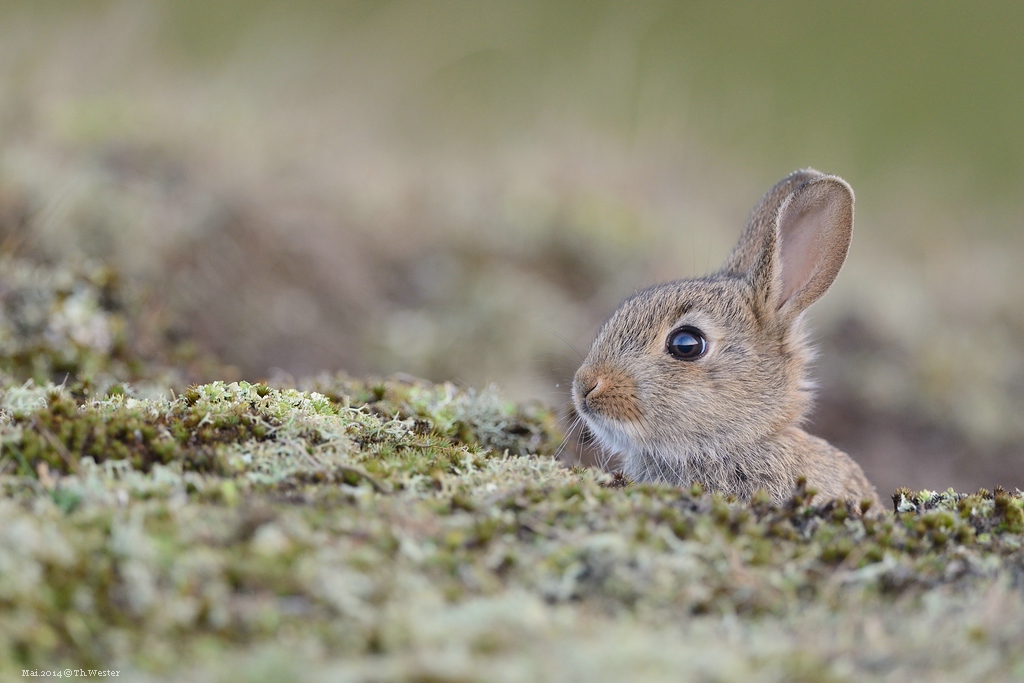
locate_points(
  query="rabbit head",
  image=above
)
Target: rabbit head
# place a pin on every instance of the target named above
(706, 368)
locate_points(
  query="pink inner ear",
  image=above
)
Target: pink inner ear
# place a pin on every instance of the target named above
(815, 226)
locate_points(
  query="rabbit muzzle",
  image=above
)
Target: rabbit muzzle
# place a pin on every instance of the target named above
(606, 392)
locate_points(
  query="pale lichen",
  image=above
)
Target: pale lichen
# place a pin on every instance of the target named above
(374, 531)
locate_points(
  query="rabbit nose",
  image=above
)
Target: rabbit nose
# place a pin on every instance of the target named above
(606, 390)
(586, 382)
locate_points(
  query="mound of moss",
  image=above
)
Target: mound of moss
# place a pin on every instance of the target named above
(397, 530)
(74, 321)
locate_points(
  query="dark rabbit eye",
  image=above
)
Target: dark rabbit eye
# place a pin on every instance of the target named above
(687, 343)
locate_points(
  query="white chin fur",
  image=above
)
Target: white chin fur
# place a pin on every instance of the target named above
(648, 461)
(612, 435)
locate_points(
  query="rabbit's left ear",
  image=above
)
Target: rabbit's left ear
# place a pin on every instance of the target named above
(812, 236)
(814, 229)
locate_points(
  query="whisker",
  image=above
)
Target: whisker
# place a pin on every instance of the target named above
(602, 456)
(561, 446)
(568, 432)
(606, 457)
(567, 343)
(579, 442)
(559, 356)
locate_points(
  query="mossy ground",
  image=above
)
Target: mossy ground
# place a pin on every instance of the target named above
(397, 530)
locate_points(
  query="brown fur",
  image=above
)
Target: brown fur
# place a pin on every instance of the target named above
(730, 420)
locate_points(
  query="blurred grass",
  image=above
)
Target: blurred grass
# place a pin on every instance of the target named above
(464, 190)
(858, 86)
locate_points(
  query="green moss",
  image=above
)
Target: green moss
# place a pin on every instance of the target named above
(229, 518)
(467, 417)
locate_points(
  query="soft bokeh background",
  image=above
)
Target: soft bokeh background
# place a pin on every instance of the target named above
(465, 190)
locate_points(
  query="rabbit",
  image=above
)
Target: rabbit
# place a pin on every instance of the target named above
(706, 380)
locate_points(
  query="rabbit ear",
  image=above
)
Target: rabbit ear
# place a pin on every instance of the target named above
(762, 224)
(796, 242)
(814, 229)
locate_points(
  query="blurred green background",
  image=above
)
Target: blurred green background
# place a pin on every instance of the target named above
(464, 190)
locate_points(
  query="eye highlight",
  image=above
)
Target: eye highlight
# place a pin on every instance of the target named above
(686, 343)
